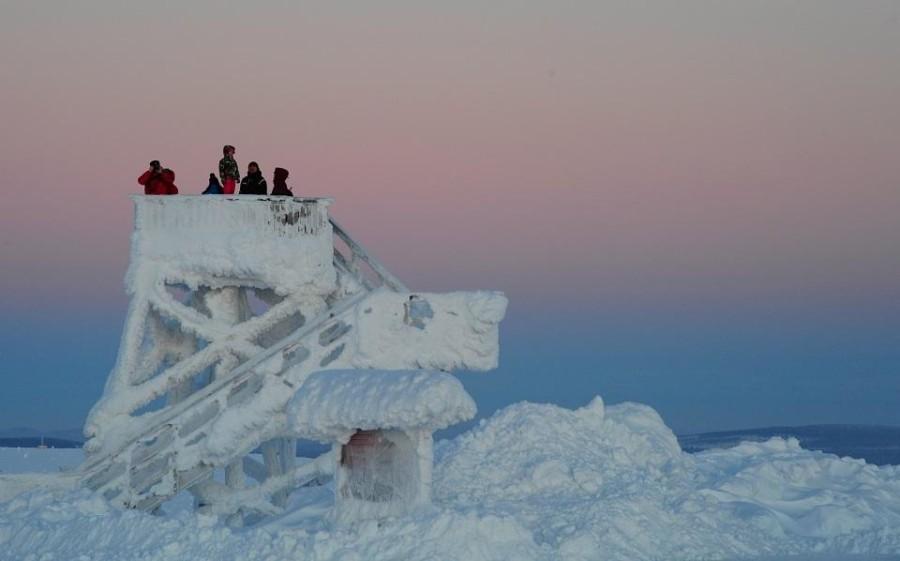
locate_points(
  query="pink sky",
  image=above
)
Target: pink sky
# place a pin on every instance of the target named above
(690, 204)
(746, 149)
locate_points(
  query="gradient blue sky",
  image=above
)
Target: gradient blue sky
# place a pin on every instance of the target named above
(692, 205)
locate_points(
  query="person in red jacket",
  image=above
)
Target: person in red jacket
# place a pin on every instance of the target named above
(158, 181)
(152, 179)
(168, 177)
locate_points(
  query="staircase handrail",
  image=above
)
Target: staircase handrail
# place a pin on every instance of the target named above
(235, 376)
(359, 252)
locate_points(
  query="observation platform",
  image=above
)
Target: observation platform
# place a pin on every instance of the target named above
(280, 243)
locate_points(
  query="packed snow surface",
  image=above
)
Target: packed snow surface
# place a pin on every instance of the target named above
(39, 460)
(330, 406)
(533, 482)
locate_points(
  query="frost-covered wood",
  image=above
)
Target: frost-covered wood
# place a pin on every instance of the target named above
(394, 415)
(236, 301)
(389, 477)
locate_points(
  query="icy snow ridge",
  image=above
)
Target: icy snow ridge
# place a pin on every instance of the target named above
(533, 482)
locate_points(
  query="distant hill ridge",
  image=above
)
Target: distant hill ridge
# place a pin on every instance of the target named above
(74, 435)
(35, 442)
(879, 445)
(28, 437)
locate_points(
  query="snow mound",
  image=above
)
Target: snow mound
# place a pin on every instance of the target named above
(330, 406)
(780, 486)
(529, 448)
(613, 483)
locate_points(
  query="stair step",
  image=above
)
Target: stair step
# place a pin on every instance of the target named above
(153, 455)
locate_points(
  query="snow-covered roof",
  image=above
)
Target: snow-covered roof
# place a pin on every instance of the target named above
(331, 405)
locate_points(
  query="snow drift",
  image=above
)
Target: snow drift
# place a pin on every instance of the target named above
(612, 483)
(533, 482)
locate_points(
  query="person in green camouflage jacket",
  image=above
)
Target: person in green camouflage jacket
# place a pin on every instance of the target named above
(228, 170)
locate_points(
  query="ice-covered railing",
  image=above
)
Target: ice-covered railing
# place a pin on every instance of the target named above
(280, 243)
(354, 259)
(269, 216)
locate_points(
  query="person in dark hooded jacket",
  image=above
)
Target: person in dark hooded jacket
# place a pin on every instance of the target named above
(254, 183)
(279, 187)
(214, 188)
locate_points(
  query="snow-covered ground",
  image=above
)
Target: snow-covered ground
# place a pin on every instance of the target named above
(39, 460)
(532, 482)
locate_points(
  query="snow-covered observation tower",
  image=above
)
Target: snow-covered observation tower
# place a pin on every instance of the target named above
(255, 321)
